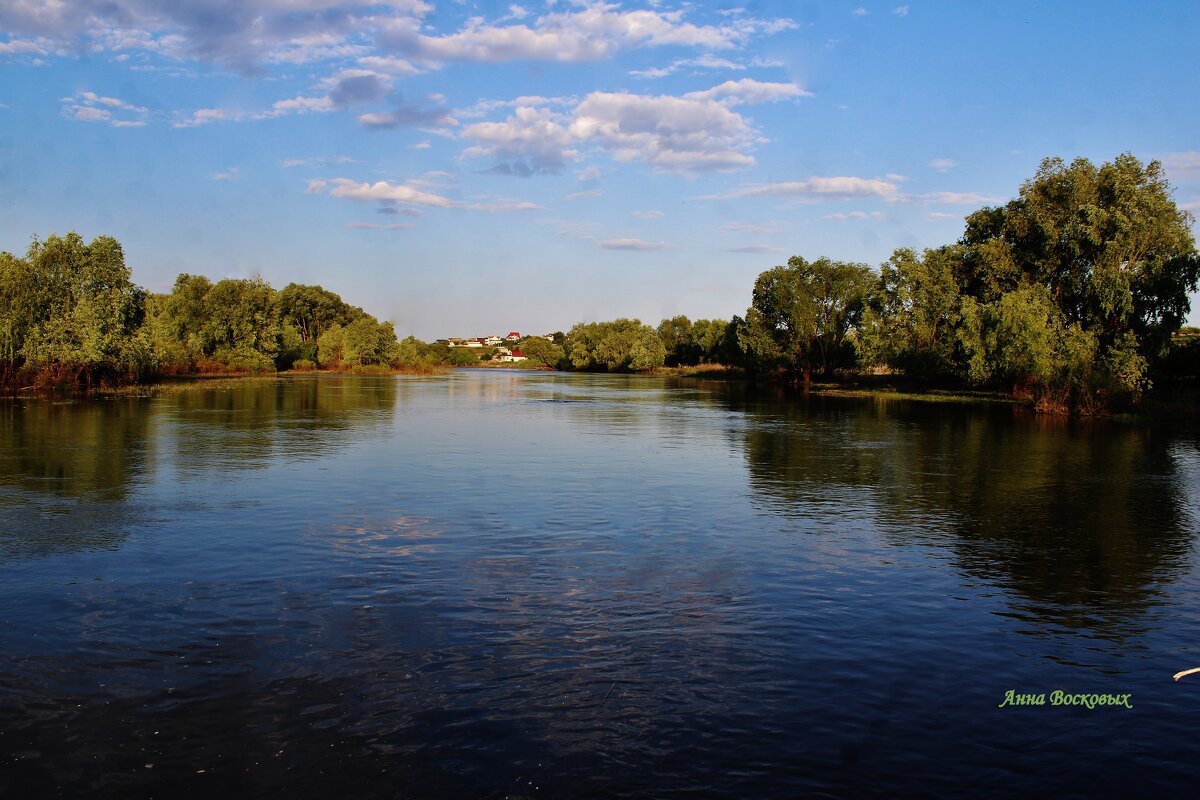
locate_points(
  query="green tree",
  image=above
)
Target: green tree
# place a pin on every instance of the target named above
(463, 357)
(542, 352)
(911, 321)
(801, 315)
(1116, 254)
(312, 309)
(367, 342)
(620, 345)
(79, 312)
(241, 326)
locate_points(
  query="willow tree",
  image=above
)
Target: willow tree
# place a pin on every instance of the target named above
(802, 314)
(73, 311)
(1108, 243)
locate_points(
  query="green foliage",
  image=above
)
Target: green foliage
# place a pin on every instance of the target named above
(462, 357)
(313, 309)
(911, 320)
(412, 352)
(542, 352)
(802, 314)
(71, 310)
(618, 346)
(688, 343)
(1109, 244)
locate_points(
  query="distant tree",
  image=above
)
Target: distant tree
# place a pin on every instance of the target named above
(463, 357)
(366, 342)
(620, 345)
(542, 352)
(677, 340)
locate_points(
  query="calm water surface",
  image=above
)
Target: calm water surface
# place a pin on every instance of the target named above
(503, 584)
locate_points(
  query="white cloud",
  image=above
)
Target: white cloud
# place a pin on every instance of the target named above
(230, 174)
(88, 114)
(954, 198)
(592, 173)
(829, 188)
(532, 141)
(705, 61)
(900, 11)
(631, 244)
(207, 116)
(281, 108)
(88, 106)
(649, 215)
(943, 215)
(671, 134)
(24, 47)
(748, 90)
(241, 35)
(943, 164)
(380, 191)
(298, 105)
(860, 12)
(1185, 164)
(589, 33)
(390, 65)
(386, 194)
(484, 107)
(584, 194)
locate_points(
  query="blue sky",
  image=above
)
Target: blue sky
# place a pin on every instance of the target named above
(467, 168)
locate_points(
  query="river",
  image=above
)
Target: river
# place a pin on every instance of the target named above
(523, 584)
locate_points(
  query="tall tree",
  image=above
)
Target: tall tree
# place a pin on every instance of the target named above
(911, 321)
(1116, 254)
(802, 313)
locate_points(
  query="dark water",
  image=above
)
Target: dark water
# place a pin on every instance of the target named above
(501, 584)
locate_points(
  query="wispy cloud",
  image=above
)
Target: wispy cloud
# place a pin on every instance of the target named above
(943, 164)
(755, 248)
(589, 33)
(851, 216)
(1184, 165)
(652, 214)
(900, 11)
(230, 174)
(816, 188)
(954, 198)
(631, 244)
(385, 193)
(698, 132)
(754, 227)
(372, 226)
(91, 107)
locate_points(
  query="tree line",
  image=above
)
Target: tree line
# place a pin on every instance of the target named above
(1073, 294)
(72, 315)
